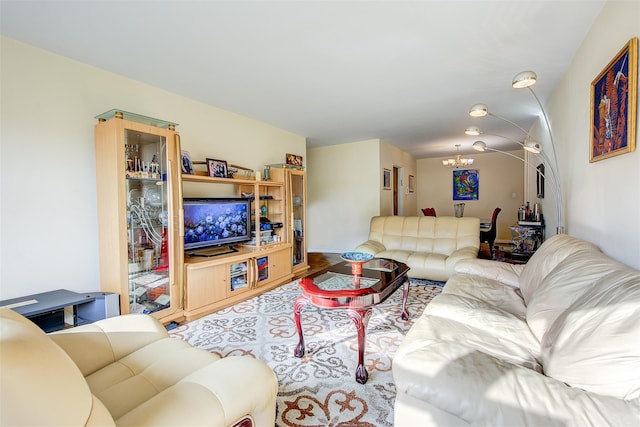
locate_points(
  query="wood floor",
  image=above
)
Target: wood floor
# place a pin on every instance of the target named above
(320, 260)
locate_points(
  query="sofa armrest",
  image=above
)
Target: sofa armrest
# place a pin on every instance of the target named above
(468, 252)
(221, 394)
(371, 247)
(503, 272)
(484, 390)
(98, 344)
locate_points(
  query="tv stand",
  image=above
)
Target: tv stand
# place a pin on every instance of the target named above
(208, 253)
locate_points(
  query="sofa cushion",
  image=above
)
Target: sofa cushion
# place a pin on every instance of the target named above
(478, 325)
(503, 272)
(126, 383)
(99, 344)
(595, 343)
(568, 281)
(550, 254)
(501, 296)
(477, 389)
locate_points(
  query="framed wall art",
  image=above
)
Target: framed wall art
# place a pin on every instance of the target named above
(465, 184)
(613, 105)
(386, 179)
(217, 168)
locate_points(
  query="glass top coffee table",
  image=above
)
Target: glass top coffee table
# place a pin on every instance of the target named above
(336, 287)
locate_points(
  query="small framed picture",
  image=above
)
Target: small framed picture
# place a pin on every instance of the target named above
(217, 168)
(386, 179)
(187, 165)
(294, 160)
(411, 184)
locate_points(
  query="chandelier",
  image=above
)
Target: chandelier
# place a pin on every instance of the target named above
(458, 161)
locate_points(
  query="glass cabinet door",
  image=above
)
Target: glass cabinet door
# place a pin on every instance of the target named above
(298, 201)
(239, 274)
(147, 221)
(262, 265)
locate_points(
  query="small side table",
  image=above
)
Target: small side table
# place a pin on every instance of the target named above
(506, 252)
(47, 309)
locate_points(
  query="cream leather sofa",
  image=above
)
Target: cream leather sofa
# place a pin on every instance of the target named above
(555, 342)
(125, 371)
(430, 246)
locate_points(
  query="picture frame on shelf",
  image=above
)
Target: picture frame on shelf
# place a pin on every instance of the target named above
(386, 179)
(614, 94)
(187, 164)
(411, 184)
(217, 168)
(293, 159)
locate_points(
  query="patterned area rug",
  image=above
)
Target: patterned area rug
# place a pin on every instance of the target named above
(318, 389)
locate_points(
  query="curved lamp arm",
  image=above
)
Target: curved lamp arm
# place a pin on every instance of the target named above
(481, 146)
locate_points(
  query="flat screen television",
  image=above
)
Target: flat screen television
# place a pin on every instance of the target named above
(210, 224)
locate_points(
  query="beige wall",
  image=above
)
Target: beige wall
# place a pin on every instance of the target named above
(601, 199)
(48, 214)
(501, 185)
(343, 193)
(346, 190)
(390, 157)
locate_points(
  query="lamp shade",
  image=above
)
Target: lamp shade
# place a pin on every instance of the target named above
(478, 110)
(479, 146)
(472, 130)
(524, 79)
(533, 147)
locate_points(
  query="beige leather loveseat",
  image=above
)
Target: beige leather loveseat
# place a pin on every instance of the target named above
(125, 371)
(430, 246)
(555, 342)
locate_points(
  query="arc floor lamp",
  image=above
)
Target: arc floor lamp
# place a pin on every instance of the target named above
(526, 79)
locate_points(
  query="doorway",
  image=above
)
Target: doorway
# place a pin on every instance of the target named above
(397, 191)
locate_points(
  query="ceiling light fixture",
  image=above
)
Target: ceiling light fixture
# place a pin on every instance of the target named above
(458, 161)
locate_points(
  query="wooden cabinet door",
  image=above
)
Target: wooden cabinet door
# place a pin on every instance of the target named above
(206, 285)
(279, 266)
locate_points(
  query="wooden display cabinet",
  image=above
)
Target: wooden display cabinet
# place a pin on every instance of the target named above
(295, 181)
(138, 187)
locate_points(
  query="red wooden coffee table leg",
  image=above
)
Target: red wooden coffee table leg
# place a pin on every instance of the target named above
(360, 318)
(405, 294)
(299, 303)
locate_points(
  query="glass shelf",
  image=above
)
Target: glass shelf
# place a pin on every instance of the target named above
(138, 118)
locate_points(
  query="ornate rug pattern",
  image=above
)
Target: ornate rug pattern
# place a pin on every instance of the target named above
(318, 389)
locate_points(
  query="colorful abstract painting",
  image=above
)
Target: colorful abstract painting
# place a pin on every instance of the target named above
(613, 105)
(465, 184)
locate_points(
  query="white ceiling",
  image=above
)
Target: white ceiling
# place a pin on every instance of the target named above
(333, 71)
